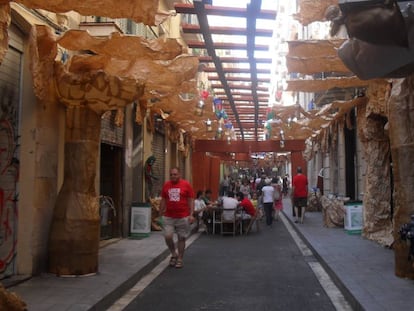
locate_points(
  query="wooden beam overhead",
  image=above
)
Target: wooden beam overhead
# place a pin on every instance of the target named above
(235, 94)
(245, 99)
(237, 70)
(248, 111)
(224, 59)
(313, 86)
(225, 46)
(239, 87)
(315, 65)
(243, 69)
(248, 125)
(248, 146)
(241, 79)
(200, 10)
(235, 31)
(188, 8)
(232, 157)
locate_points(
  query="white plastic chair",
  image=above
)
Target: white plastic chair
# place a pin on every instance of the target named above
(229, 221)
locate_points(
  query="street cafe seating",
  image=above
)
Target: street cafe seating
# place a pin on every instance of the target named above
(216, 218)
(229, 222)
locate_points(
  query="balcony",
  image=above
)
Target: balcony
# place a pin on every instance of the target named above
(100, 29)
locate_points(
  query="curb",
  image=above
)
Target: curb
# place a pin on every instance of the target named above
(118, 292)
(123, 288)
(354, 303)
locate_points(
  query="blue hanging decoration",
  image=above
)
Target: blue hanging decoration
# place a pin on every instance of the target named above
(228, 125)
(218, 114)
(218, 104)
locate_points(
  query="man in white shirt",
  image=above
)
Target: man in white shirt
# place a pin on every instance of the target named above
(229, 204)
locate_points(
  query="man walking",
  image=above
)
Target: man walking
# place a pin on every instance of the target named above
(299, 194)
(177, 207)
(268, 192)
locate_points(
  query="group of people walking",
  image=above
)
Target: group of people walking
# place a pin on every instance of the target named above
(180, 207)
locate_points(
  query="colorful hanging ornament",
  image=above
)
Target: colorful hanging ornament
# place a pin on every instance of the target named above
(209, 126)
(204, 94)
(218, 104)
(199, 107)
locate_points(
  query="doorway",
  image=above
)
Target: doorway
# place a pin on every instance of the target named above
(350, 157)
(111, 191)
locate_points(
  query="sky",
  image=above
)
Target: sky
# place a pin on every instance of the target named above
(241, 22)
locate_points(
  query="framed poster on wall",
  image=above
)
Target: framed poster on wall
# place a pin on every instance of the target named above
(140, 220)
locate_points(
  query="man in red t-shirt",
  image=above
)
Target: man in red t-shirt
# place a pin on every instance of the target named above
(248, 208)
(177, 208)
(246, 204)
(299, 194)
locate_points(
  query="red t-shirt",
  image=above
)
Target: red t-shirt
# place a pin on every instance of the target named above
(176, 198)
(300, 183)
(248, 206)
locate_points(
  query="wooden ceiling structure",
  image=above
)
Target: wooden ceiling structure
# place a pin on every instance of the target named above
(239, 79)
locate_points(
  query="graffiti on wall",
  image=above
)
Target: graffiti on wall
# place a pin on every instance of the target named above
(9, 174)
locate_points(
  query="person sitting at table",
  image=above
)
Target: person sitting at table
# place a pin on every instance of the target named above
(207, 197)
(255, 201)
(199, 207)
(247, 207)
(208, 212)
(229, 203)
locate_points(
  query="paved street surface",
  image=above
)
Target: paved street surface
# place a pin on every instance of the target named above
(362, 269)
(260, 271)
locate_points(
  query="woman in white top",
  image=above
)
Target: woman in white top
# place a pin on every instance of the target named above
(267, 192)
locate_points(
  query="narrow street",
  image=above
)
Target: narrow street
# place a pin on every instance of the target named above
(264, 270)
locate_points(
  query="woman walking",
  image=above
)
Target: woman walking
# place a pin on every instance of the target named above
(268, 191)
(278, 197)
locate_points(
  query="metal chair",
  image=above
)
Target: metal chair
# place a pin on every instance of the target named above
(229, 221)
(217, 212)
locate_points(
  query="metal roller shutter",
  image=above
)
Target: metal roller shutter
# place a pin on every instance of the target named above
(158, 150)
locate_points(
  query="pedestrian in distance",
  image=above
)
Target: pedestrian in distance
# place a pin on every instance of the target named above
(267, 192)
(286, 185)
(299, 194)
(277, 197)
(177, 208)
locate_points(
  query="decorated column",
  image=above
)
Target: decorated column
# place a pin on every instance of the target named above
(74, 235)
(402, 149)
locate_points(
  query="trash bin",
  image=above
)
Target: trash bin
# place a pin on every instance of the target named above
(353, 217)
(140, 220)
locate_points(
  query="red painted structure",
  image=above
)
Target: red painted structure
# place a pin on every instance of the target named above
(209, 154)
